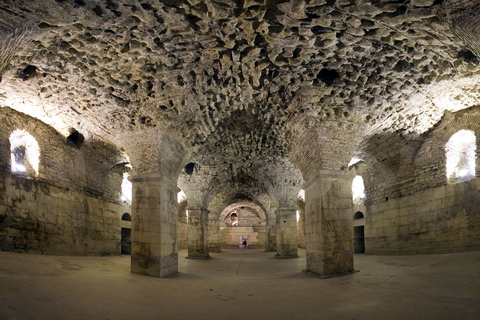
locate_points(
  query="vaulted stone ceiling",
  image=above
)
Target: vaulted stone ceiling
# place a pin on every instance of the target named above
(241, 84)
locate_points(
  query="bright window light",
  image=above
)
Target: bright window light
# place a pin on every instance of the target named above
(301, 194)
(354, 161)
(460, 155)
(358, 188)
(298, 215)
(181, 196)
(126, 196)
(24, 151)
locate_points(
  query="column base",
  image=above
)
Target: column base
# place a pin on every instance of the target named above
(309, 272)
(199, 258)
(286, 257)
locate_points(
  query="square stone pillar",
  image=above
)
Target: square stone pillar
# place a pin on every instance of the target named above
(287, 246)
(154, 226)
(271, 241)
(214, 236)
(328, 223)
(198, 233)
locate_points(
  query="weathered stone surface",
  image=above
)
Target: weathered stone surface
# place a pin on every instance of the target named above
(236, 103)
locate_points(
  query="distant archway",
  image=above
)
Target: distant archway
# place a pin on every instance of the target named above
(358, 215)
(359, 232)
(126, 234)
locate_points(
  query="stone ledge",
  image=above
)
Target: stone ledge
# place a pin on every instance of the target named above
(309, 272)
(286, 257)
(199, 258)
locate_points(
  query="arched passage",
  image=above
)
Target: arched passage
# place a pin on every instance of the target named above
(243, 221)
(126, 234)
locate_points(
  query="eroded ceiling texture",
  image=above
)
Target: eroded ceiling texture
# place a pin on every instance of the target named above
(257, 92)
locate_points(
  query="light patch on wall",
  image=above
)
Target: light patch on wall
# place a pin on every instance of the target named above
(181, 196)
(39, 110)
(126, 189)
(301, 194)
(358, 188)
(460, 156)
(448, 103)
(24, 152)
(354, 161)
(298, 215)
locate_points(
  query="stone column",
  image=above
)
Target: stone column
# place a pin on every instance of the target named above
(271, 241)
(198, 233)
(154, 226)
(214, 236)
(301, 227)
(287, 246)
(328, 223)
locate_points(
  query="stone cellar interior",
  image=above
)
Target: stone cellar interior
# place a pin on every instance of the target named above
(308, 129)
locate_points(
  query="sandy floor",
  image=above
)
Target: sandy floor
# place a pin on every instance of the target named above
(240, 284)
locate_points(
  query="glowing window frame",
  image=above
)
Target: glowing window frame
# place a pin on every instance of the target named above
(126, 197)
(358, 188)
(21, 138)
(460, 154)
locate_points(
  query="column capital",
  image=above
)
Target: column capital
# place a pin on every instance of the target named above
(285, 210)
(152, 178)
(198, 209)
(328, 175)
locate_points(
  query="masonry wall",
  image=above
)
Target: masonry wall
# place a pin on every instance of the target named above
(72, 206)
(411, 207)
(249, 224)
(256, 236)
(182, 232)
(437, 220)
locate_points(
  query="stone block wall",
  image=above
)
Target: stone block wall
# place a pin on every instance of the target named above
(436, 220)
(182, 233)
(256, 236)
(411, 207)
(72, 206)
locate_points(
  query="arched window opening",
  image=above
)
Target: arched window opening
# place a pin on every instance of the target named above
(126, 217)
(358, 215)
(181, 196)
(358, 188)
(24, 153)
(301, 195)
(359, 239)
(126, 197)
(234, 219)
(18, 159)
(460, 156)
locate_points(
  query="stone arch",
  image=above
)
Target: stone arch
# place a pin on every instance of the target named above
(251, 225)
(432, 151)
(376, 165)
(358, 215)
